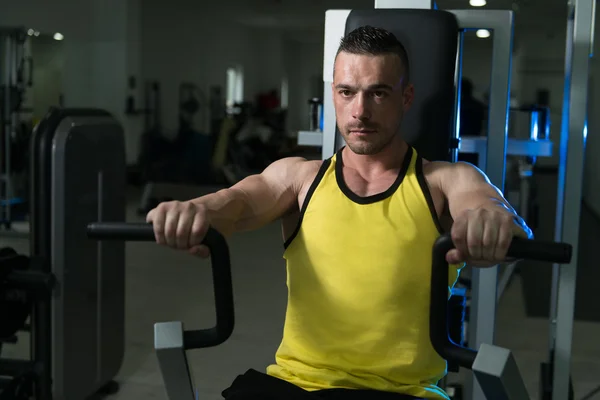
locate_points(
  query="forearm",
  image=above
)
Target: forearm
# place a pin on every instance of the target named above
(487, 198)
(248, 205)
(224, 209)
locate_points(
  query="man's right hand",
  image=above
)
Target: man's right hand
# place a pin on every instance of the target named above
(181, 225)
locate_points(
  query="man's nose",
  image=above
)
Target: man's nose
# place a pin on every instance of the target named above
(360, 107)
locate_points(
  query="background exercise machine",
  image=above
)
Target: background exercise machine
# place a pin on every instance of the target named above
(14, 134)
(71, 289)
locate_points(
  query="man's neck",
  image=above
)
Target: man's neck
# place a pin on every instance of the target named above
(388, 159)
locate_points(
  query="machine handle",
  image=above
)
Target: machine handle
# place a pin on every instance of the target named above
(438, 309)
(221, 271)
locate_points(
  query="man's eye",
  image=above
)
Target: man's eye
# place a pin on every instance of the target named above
(379, 94)
(345, 92)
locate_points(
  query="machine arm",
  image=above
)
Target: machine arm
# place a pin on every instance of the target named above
(494, 367)
(170, 339)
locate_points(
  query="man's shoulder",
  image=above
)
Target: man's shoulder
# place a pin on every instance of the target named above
(302, 166)
(309, 169)
(442, 172)
(436, 167)
(447, 166)
(297, 171)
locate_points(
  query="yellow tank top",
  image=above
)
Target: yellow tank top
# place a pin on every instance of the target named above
(358, 277)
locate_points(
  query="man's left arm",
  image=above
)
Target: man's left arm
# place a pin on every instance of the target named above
(484, 222)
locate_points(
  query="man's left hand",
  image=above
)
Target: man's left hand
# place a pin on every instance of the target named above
(482, 236)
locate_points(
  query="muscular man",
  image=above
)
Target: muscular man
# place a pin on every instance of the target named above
(358, 230)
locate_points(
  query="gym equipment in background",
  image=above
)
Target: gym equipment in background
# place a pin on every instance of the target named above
(14, 134)
(78, 324)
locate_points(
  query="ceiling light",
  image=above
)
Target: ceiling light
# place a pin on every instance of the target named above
(477, 3)
(483, 33)
(30, 32)
(58, 36)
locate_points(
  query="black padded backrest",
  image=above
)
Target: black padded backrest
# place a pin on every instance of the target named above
(430, 38)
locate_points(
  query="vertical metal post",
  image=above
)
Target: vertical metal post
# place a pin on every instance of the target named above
(335, 26)
(570, 182)
(561, 171)
(483, 312)
(457, 93)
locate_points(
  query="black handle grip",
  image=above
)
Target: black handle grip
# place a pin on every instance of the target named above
(221, 271)
(438, 309)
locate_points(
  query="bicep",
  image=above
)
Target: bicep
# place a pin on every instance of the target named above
(268, 195)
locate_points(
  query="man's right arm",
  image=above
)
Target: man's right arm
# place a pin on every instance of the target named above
(250, 204)
(256, 200)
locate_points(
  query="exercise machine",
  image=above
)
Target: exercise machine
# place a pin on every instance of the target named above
(432, 40)
(494, 368)
(171, 340)
(73, 291)
(492, 149)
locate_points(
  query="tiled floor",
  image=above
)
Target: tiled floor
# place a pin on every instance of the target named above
(164, 285)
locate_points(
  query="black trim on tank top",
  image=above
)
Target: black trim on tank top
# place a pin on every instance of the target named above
(339, 176)
(311, 190)
(427, 194)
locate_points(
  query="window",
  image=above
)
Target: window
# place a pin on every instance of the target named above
(284, 93)
(235, 86)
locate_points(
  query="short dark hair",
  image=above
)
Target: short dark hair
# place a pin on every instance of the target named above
(375, 41)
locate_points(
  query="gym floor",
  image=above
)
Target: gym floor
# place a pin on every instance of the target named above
(165, 285)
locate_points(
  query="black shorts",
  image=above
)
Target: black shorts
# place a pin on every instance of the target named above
(254, 385)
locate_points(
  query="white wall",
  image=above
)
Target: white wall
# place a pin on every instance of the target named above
(184, 44)
(304, 64)
(269, 45)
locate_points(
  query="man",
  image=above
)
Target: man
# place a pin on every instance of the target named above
(358, 230)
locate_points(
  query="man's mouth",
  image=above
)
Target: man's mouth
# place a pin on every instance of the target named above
(362, 131)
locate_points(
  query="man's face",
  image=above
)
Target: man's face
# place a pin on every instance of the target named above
(370, 100)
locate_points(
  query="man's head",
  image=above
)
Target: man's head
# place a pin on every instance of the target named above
(371, 88)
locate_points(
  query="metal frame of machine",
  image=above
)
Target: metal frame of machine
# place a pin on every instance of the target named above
(578, 51)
